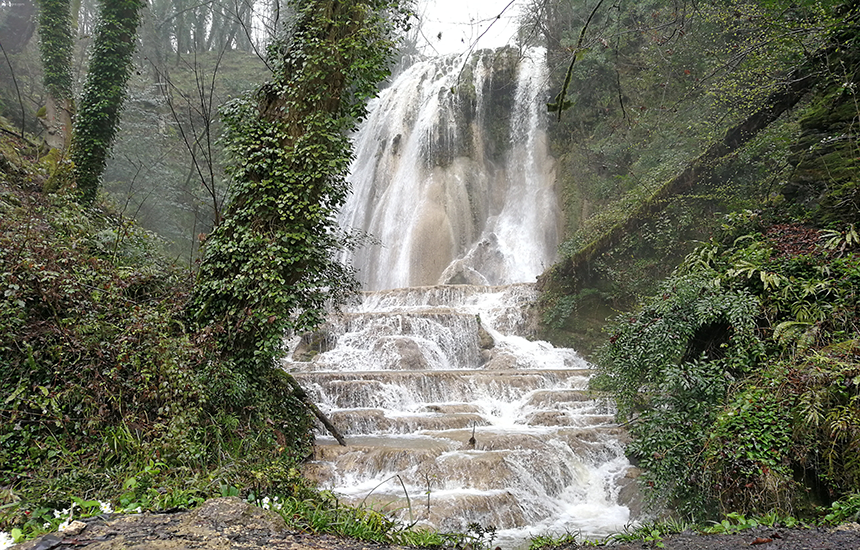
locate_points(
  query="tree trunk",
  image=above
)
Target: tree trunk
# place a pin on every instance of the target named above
(55, 46)
(271, 265)
(104, 92)
(58, 123)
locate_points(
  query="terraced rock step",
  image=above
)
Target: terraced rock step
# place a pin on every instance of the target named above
(451, 421)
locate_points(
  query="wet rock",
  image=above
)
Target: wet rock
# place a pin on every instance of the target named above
(485, 339)
(314, 343)
(630, 494)
(548, 418)
(402, 353)
(500, 361)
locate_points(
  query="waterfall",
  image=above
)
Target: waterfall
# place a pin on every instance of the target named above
(411, 375)
(453, 415)
(453, 175)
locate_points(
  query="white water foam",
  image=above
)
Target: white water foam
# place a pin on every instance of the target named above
(439, 388)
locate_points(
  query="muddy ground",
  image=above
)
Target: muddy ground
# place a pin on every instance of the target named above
(231, 523)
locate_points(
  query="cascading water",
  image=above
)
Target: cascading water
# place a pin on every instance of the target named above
(438, 392)
(453, 176)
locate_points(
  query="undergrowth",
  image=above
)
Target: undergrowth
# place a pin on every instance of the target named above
(740, 375)
(654, 532)
(104, 393)
(321, 512)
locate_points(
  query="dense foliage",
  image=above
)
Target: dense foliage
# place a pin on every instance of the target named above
(651, 96)
(741, 372)
(271, 265)
(105, 392)
(737, 372)
(108, 388)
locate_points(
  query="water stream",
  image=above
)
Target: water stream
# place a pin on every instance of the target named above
(441, 398)
(453, 175)
(451, 413)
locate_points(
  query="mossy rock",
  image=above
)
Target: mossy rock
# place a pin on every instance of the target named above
(314, 343)
(825, 180)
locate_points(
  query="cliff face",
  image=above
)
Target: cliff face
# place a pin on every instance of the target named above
(655, 106)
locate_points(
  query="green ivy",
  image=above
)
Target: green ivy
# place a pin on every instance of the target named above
(691, 317)
(104, 92)
(270, 266)
(56, 44)
(748, 452)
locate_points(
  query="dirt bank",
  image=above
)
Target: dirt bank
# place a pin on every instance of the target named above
(846, 537)
(219, 524)
(231, 523)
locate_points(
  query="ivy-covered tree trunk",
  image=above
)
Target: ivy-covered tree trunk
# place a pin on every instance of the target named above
(270, 265)
(56, 45)
(104, 92)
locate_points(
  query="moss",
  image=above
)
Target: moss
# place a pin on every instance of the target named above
(824, 186)
(575, 321)
(59, 169)
(16, 154)
(499, 93)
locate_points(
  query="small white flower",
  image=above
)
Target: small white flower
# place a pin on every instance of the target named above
(46, 525)
(6, 540)
(105, 507)
(65, 524)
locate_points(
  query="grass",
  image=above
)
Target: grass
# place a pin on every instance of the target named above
(653, 532)
(323, 513)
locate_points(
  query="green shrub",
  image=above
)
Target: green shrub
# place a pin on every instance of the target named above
(740, 374)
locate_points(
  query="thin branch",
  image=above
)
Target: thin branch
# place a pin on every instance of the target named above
(475, 42)
(251, 40)
(17, 91)
(561, 104)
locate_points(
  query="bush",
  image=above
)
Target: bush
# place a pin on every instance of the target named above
(101, 381)
(741, 374)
